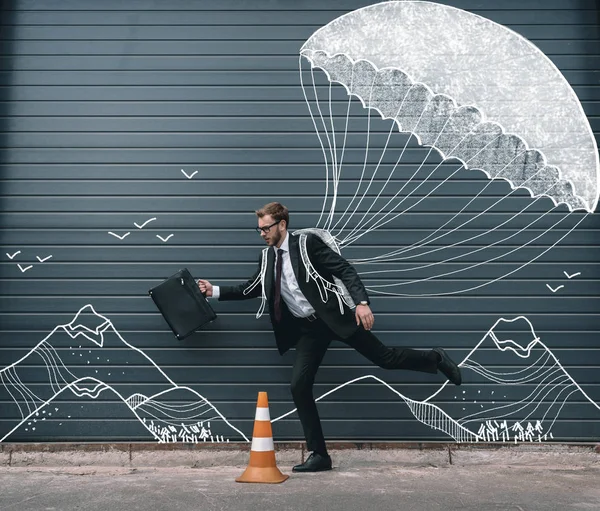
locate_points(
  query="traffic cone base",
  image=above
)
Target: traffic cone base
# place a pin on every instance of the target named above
(262, 467)
(269, 475)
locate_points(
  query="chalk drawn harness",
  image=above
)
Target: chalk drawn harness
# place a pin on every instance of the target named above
(324, 286)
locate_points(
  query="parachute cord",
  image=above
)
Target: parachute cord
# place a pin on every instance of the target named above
(318, 136)
(328, 227)
(344, 241)
(450, 259)
(391, 173)
(335, 174)
(474, 237)
(420, 244)
(339, 170)
(364, 162)
(448, 247)
(364, 193)
(394, 124)
(423, 242)
(331, 154)
(381, 221)
(393, 254)
(484, 262)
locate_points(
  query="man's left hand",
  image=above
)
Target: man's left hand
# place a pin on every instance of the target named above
(364, 316)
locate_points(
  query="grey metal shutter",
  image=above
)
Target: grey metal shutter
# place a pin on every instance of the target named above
(104, 106)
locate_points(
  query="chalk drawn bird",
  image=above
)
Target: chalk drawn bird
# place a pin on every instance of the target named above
(191, 175)
(120, 237)
(145, 223)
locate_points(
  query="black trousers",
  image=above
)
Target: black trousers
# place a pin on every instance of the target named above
(310, 350)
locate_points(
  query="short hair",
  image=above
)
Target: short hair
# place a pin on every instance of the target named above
(276, 210)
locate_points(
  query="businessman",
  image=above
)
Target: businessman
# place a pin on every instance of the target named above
(306, 318)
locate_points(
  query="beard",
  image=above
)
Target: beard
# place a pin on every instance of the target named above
(274, 238)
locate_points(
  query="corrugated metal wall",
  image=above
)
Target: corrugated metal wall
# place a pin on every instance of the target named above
(103, 104)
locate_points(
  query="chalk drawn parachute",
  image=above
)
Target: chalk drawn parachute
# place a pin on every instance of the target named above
(456, 134)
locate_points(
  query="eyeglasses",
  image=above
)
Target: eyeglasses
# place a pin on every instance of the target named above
(267, 228)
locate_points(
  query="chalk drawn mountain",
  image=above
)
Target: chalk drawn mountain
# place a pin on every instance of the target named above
(522, 403)
(77, 362)
(79, 371)
(468, 414)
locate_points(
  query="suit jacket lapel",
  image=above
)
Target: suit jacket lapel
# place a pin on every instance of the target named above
(294, 255)
(269, 282)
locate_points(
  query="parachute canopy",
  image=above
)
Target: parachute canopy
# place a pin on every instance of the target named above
(466, 89)
(473, 89)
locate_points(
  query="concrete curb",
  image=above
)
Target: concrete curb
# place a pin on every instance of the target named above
(135, 455)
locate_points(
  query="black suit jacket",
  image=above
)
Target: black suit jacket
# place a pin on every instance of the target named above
(328, 264)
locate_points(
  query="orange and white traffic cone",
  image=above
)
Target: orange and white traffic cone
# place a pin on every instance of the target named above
(262, 467)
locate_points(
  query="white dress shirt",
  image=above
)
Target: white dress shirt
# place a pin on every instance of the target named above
(290, 290)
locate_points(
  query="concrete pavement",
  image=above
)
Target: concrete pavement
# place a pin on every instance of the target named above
(525, 478)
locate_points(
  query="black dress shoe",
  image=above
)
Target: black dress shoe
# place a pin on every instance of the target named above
(448, 367)
(315, 463)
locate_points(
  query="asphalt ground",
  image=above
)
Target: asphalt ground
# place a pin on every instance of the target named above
(361, 480)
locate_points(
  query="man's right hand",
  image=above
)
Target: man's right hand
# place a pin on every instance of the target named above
(206, 287)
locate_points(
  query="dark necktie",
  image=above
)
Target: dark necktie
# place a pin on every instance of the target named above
(277, 304)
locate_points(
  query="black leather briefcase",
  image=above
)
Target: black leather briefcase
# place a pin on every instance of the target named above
(182, 304)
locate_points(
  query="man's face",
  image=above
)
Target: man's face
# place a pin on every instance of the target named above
(274, 233)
